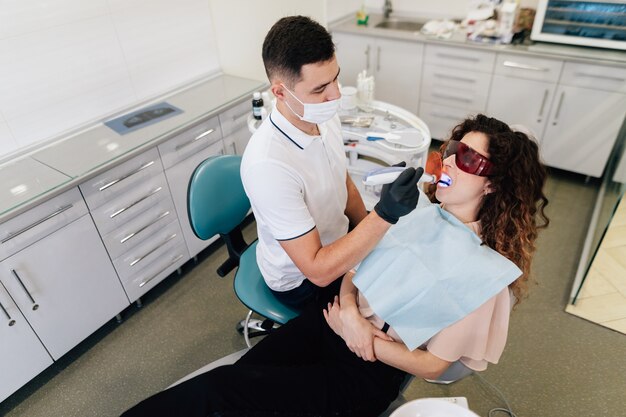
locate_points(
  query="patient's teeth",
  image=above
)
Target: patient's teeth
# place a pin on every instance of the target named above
(445, 180)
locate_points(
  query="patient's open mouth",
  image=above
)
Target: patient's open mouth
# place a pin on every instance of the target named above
(444, 181)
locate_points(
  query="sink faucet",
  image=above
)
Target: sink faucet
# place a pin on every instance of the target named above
(387, 9)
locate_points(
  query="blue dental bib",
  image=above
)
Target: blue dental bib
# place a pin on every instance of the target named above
(429, 271)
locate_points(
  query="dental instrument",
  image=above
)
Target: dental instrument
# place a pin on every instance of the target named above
(386, 175)
(432, 175)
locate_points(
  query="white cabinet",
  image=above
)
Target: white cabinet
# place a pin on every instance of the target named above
(234, 123)
(134, 213)
(455, 85)
(582, 129)
(178, 178)
(395, 64)
(22, 356)
(521, 102)
(575, 121)
(522, 91)
(64, 285)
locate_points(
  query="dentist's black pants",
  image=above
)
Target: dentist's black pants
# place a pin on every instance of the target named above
(303, 369)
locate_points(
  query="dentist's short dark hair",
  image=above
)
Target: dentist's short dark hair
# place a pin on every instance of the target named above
(293, 42)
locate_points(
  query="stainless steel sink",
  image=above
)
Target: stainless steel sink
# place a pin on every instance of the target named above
(408, 25)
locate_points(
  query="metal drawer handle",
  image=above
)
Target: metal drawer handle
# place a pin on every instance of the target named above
(144, 166)
(378, 59)
(455, 77)
(137, 260)
(367, 58)
(543, 105)
(151, 193)
(32, 300)
(512, 64)
(162, 215)
(37, 223)
(197, 138)
(173, 261)
(606, 77)
(558, 109)
(446, 116)
(464, 58)
(448, 96)
(6, 313)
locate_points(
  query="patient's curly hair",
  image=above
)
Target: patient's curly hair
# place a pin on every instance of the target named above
(513, 213)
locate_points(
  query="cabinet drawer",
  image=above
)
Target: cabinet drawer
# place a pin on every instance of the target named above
(166, 263)
(122, 178)
(596, 77)
(140, 228)
(455, 87)
(472, 59)
(189, 142)
(38, 222)
(130, 204)
(149, 251)
(235, 118)
(528, 67)
(441, 119)
(178, 178)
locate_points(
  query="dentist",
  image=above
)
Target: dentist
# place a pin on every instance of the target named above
(294, 171)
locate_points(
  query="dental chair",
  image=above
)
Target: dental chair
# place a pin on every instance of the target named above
(217, 204)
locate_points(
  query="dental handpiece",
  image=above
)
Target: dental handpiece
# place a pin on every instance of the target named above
(386, 175)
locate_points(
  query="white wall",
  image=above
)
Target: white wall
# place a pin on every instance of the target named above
(336, 9)
(433, 9)
(241, 26)
(68, 62)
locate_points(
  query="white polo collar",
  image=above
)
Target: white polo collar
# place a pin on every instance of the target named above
(289, 132)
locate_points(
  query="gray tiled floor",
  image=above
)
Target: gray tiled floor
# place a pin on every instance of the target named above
(555, 364)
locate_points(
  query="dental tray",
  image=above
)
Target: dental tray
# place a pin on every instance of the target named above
(357, 121)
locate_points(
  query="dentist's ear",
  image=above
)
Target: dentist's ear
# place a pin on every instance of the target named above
(278, 90)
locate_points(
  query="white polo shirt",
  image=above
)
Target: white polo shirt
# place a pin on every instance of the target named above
(295, 182)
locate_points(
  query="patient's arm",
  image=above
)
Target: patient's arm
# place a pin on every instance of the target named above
(344, 318)
(418, 362)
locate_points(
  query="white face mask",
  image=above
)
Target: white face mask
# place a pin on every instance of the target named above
(315, 112)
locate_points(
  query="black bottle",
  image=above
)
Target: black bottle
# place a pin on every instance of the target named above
(257, 105)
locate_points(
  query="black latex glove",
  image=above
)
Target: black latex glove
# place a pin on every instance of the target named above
(400, 197)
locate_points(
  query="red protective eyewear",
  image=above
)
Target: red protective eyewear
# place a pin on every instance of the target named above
(468, 160)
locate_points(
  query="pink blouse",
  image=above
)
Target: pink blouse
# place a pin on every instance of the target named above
(475, 340)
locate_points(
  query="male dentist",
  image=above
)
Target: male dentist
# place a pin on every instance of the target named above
(294, 171)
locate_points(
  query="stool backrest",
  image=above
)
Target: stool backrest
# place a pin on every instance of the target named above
(216, 200)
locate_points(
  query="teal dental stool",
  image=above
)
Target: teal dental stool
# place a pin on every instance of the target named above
(217, 204)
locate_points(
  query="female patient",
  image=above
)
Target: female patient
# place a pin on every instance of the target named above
(339, 361)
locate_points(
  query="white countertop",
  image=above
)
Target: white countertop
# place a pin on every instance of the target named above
(68, 161)
(548, 50)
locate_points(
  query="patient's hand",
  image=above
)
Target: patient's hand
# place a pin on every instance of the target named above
(356, 331)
